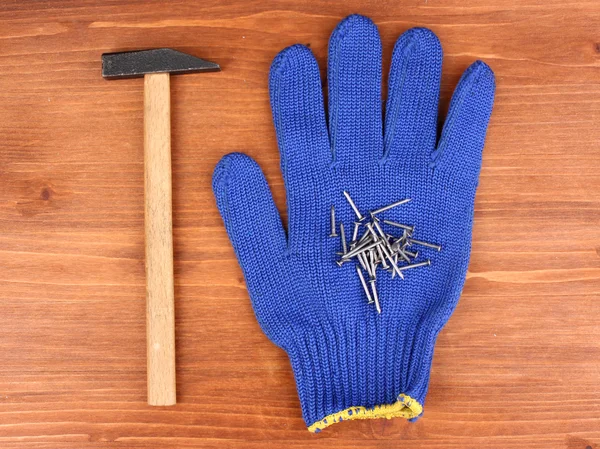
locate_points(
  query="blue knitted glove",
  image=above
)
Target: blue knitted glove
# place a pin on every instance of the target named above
(349, 361)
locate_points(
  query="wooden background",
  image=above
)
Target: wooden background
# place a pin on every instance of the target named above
(517, 366)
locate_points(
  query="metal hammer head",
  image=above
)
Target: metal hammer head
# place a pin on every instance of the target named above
(133, 64)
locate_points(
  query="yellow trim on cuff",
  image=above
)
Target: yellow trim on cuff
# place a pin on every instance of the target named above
(404, 407)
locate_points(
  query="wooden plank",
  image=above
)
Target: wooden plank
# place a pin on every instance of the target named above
(516, 366)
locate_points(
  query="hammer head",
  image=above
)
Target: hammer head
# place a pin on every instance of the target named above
(133, 64)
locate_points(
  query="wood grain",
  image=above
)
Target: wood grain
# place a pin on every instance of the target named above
(517, 366)
(158, 224)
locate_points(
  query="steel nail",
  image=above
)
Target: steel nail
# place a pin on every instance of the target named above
(353, 206)
(411, 254)
(364, 284)
(396, 269)
(360, 257)
(415, 265)
(364, 247)
(372, 231)
(411, 229)
(355, 232)
(403, 255)
(378, 226)
(364, 236)
(367, 265)
(429, 245)
(383, 209)
(332, 216)
(341, 262)
(343, 237)
(394, 265)
(383, 262)
(372, 262)
(375, 297)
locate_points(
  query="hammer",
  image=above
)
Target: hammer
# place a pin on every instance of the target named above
(156, 66)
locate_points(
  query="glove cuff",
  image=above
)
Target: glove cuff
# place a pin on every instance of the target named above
(345, 373)
(404, 407)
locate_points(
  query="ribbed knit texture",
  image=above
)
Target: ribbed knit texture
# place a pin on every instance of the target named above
(342, 352)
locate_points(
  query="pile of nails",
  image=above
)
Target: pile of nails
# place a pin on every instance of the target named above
(378, 249)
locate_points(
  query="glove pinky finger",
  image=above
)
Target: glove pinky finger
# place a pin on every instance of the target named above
(461, 143)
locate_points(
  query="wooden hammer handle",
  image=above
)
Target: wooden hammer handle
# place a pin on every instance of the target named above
(160, 300)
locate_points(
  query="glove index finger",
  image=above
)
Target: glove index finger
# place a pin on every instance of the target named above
(249, 213)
